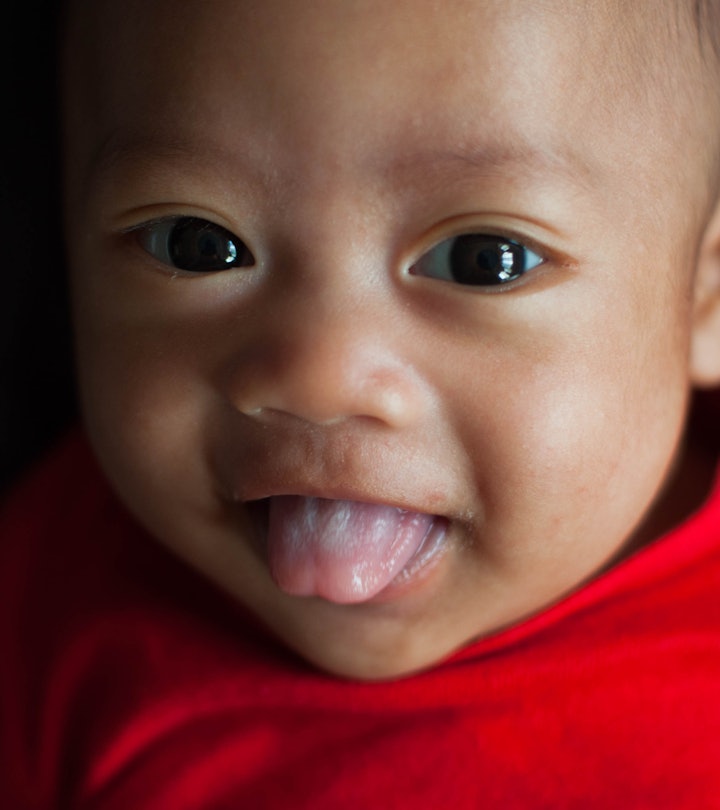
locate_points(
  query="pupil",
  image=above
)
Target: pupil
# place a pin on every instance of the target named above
(483, 260)
(199, 246)
(208, 246)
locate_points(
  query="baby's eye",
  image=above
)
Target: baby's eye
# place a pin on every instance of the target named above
(479, 260)
(194, 244)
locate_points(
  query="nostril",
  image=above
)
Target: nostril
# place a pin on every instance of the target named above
(395, 403)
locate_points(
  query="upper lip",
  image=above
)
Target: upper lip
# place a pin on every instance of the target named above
(332, 492)
(264, 482)
(337, 465)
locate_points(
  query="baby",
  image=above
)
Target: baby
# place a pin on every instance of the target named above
(387, 319)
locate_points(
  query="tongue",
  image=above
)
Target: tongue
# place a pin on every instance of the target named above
(342, 551)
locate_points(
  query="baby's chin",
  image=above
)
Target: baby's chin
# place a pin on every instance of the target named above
(412, 625)
(378, 653)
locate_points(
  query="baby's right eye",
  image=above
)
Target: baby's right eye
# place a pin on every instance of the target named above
(194, 245)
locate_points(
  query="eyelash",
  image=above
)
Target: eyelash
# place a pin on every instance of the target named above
(196, 245)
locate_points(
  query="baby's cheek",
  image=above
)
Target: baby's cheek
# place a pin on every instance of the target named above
(145, 403)
(556, 444)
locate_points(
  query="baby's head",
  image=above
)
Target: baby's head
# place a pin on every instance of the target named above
(388, 313)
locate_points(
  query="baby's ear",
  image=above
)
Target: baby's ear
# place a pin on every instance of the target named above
(705, 346)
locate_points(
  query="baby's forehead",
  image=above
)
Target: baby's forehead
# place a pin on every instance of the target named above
(650, 27)
(620, 66)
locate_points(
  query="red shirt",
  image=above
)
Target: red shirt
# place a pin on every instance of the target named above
(129, 683)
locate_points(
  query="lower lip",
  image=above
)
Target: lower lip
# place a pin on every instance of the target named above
(420, 565)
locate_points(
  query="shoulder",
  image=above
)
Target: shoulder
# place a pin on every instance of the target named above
(107, 641)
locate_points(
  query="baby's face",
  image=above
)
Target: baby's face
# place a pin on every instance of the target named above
(419, 256)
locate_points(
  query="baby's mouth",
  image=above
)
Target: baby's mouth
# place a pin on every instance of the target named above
(346, 551)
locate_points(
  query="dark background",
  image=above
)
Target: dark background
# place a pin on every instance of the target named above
(36, 389)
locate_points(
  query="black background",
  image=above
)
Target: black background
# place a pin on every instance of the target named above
(36, 388)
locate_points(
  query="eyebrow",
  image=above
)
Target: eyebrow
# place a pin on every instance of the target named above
(511, 155)
(118, 149)
(489, 158)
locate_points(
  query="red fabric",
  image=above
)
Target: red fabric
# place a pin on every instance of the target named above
(128, 683)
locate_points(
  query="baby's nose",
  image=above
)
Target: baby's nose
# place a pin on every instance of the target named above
(325, 363)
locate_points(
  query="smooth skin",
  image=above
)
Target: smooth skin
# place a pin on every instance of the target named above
(342, 142)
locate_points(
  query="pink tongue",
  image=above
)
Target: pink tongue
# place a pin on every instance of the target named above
(342, 551)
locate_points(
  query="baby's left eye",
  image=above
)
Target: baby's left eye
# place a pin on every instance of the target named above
(479, 260)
